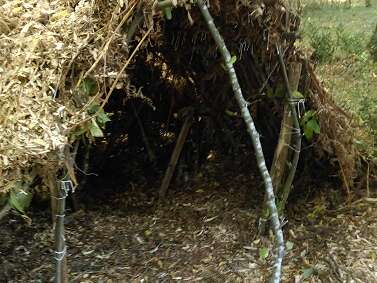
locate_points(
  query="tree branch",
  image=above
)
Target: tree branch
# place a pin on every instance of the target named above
(254, 135)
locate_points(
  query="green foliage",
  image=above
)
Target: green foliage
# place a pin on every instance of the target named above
(312, 6)
(263, 253)
(289, 245)
(307, 273)
(348, 29)
(372, 45)
(102, 117)
(351, 78)
(350, 44)
(88, 87)
(20, 197)
(93, 127)
(368, 114)
(168, 13)
(310, 124)
(323, 43)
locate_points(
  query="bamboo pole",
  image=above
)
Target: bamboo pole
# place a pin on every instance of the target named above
(254, 135)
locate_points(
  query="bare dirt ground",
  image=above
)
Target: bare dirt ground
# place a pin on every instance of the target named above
(206, 234)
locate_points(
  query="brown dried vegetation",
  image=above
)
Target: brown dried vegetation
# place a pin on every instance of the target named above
(50, 47)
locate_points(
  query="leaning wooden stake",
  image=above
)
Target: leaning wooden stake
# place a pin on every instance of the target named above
(279, 163)
(296, 147)
(254, 137)
(175, 156)
(5, 210)
(281, 180)
(151, 155)
(50, 179)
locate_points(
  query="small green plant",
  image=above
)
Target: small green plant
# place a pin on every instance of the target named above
(20, 198)
(307, 273)
(310, 124)
(310, 6)
(99, 121)
(368, 114)
(351, 44)
(263, 253)
(372, 45)
(94, 126)
(323, 43)
(289, 245)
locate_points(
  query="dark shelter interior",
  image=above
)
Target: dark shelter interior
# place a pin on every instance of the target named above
(180, 75)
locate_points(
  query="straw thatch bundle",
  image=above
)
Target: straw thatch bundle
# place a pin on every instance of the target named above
(40, 43)
(62, 59)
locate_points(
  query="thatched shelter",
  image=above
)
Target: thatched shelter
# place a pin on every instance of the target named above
(66, 64)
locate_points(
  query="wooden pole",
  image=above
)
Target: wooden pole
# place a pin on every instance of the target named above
(174, 157)
(295, 73)
(5, 210)
(50, 180)
(151, 155)
(280, 162)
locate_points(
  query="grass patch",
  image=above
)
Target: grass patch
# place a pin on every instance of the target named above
(338, 38)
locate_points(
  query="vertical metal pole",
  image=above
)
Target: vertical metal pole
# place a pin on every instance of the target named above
(60, 245)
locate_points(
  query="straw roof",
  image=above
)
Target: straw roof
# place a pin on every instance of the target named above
(60, 58)
(40, 41)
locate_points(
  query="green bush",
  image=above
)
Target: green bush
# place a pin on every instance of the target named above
(351, 44)
(312, 6)
(368, 114)
(326, 43)
(372, 46)
(323, 43)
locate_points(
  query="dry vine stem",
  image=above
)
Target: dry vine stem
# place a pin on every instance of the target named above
(254, 137)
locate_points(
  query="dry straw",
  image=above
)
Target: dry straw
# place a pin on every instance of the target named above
(47, 48)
